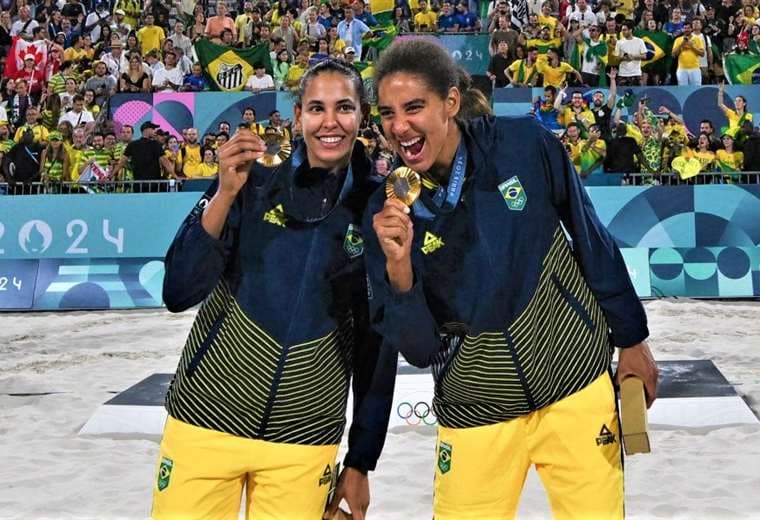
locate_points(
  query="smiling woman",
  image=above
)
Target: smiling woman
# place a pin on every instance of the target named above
(478, 280)
(276, 256)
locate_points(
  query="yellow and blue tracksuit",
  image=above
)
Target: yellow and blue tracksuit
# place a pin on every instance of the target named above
(282, 330)
(519, 296)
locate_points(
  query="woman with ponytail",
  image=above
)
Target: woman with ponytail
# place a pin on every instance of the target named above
(501, 278)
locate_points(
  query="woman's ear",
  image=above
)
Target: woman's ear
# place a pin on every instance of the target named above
(453, 102)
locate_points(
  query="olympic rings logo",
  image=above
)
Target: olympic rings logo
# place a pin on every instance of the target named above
(421, 412)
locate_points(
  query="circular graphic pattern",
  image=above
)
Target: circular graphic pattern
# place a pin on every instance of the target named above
(666, 263)
(734, 263)
(700, 264)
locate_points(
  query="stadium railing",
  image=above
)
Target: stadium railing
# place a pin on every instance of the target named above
(112, 187)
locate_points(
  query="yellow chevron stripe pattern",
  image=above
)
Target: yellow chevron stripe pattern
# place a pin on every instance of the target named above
(560, 341)
(225, 381)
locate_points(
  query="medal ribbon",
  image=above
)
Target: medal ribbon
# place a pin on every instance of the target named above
(446, 199)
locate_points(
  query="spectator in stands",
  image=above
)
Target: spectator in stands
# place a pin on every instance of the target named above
(76, 151)
(546, 110)
(524, 72)
(298, 69)
(573, 143)
(32, 125)
(133, 46)
(116, 61)
(209, 167)
(227, 38)
(6, 27)
(50, 109)
(191, 154)
(689, 49)
(622, 152)
(702, 153)
(287, 33)
(244, 25)
(361, 13)
(403, 23)
(67, 96)
(172, 163)
(184, 63)
(504, 32)
(25, 161)
(150, 36)
(249, 119)
(592, 153)
(198, 29)
(555, 71)
(501, 11)
(313, 29)
(96, 156)
(130, 12)
(281, 125)
(18, 103)
(498, 64)
(168, 78)
(195, 81)
(260, 81)
(729, 160)
(448, 21)
(179, 39)
(651, 146)
(95, 20)
(675, 25)
(90, 102)
(25, 24)
(751, 149)
(216, 24)
(54, 160)
(737, 117)
(143, 155)
(78, 115)
(576, 111)
(281, 68)
(349, 55)
(468, 22)
(630, 50)
(135, 79)
(33, 76)
(102, 83)
(351, 31)
(583, 15)
(592, 56)
(426, 20)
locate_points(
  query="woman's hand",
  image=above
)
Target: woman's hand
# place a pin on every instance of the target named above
(395, 232)
(236, 157)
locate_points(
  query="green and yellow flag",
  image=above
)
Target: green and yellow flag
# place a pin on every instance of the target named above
(228, 68)
(659, 45)
(383, 11)
(379, 37)
(742, 69)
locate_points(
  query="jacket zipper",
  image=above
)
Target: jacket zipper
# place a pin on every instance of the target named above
(520, 371)
(574, 304)
(286, 342)
(213, 331)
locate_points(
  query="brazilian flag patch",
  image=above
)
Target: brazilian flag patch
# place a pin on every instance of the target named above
(353, 244)
(164, 473)
(514, 194)
(444, 457)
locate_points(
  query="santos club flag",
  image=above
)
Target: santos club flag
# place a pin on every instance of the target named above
(742, 69)
(229, 68)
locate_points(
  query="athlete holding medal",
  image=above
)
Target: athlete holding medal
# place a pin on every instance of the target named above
(476, 278)
(259, 397)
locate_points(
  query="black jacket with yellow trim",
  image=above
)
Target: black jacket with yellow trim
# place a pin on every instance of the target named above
(522, 282)
(283, 326)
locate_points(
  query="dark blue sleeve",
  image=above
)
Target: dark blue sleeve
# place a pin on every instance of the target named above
(403, 320)
(374, 376)
(195, 260)
(600, 259)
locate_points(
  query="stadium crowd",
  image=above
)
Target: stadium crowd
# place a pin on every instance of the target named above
(63, 59)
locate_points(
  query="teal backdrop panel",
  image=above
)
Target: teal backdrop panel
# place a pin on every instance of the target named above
(97, 226)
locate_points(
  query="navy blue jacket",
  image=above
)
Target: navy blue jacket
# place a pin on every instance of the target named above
(519, 292)
(284, 320)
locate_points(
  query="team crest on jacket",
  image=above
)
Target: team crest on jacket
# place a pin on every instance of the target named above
(444, 457)
(514, 194)
(353, 244)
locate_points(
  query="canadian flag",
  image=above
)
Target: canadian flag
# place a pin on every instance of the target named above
(20, 49)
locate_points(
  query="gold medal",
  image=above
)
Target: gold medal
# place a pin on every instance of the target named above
(278, 148)
(403, 184)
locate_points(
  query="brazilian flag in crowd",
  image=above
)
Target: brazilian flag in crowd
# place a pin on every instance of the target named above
(742, 69)
(382, 11)
(228, 68)
(379, 38)
(659, 44)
